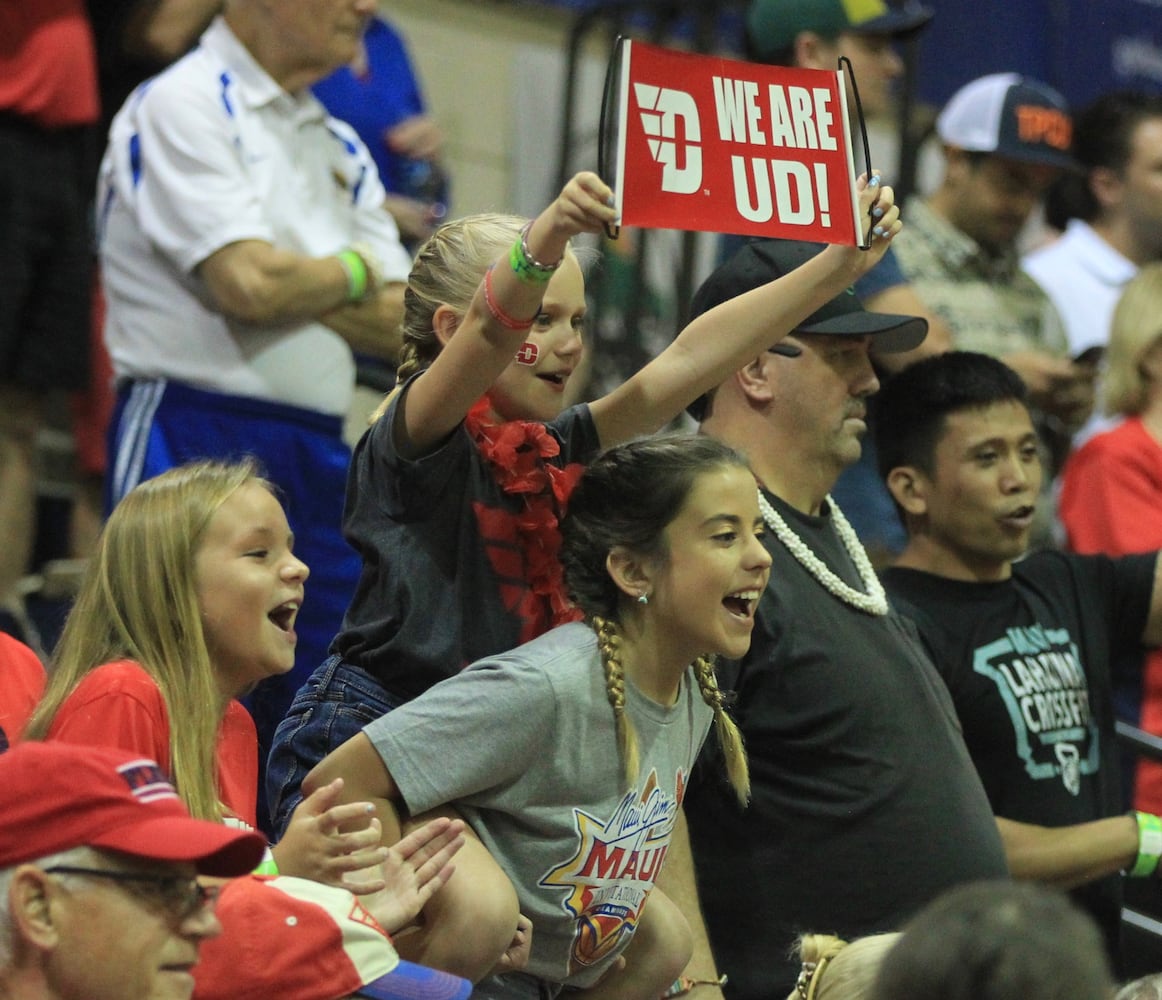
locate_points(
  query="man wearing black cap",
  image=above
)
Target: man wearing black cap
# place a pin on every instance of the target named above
(814, 34)
(865, 803)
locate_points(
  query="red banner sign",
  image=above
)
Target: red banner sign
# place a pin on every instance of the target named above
(732, 147)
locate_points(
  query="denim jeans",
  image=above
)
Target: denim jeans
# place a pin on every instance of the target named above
(336, 702)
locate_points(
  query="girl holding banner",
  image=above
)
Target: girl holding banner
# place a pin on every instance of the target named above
(457, 489)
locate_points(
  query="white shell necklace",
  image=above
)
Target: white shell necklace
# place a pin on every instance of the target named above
(874, 602)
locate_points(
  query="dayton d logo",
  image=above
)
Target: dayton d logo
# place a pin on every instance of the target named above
(661, 108)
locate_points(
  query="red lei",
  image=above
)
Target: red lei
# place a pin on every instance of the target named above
(517, 451)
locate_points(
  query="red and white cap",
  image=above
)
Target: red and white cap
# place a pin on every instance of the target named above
(297, 939)
(58, 796)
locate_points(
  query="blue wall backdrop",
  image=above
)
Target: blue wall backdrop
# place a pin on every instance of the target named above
(1082, 47)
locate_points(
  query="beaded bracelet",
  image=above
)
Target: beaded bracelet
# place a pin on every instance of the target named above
(1149, 845)
(525, 266)
(498, 314)
(684, 984)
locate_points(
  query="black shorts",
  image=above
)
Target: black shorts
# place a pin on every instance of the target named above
(46, 274)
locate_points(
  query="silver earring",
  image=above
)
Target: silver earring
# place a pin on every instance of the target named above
(643, 598)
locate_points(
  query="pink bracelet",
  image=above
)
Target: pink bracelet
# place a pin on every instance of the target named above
(498, 314)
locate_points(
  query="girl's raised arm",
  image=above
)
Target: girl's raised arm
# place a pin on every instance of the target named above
(479, 345)
(727, 337)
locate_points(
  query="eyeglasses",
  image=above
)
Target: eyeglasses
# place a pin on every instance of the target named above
(183, 897)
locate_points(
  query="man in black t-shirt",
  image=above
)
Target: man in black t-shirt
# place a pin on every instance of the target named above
(864, 801)
(1024, 646)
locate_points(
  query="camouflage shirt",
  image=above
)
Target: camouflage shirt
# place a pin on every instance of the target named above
(989, 303)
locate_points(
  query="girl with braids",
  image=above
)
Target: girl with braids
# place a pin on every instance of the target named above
(568, 756)
(190, 601)
(456, 491)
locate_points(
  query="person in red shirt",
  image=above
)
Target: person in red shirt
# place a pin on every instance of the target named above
(1111, 488)
(48, 107)
(189, 602)
(21, 685)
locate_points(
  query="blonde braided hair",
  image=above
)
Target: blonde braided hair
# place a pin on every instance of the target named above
(625, 499)
(608, 641)
(729, 738)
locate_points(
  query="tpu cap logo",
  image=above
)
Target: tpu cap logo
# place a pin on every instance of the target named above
(661, 109)
(1047, 125)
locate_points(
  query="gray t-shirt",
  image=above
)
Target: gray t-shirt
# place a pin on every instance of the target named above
(524, 745)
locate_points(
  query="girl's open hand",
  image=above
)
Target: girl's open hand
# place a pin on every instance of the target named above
(414, 870)
(325, 842)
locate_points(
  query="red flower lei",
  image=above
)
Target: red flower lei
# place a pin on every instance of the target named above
(516, 452)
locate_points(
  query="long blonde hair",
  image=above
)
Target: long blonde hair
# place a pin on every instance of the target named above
(730, 739)
(138, 601)
(448, 269)
(1136, 327)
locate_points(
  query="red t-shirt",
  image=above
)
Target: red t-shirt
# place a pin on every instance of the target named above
(21, 685)
(119, 704)
(1111, 503)
(48, 62)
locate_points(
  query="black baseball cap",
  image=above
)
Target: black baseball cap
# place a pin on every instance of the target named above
(762, 261)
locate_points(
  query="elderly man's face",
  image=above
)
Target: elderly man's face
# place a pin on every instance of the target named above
(121, 939)
(321, 34)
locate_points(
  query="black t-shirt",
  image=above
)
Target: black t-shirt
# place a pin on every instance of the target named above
(865, 804)
(1027, 662)
(445, 580)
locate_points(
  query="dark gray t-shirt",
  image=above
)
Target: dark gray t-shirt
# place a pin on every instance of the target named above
(444, 579)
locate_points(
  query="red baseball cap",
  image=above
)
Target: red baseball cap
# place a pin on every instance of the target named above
(58, 796)
(297, 939)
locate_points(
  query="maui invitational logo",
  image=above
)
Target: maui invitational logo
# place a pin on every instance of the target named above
(616, 864)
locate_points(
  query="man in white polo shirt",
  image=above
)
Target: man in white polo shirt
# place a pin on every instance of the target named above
(1116, 198)
(245, 251)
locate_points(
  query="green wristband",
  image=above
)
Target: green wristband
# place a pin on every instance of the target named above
(1149, 845)
(525, 266)
(356, 270)
(525, 270)
(267, 866)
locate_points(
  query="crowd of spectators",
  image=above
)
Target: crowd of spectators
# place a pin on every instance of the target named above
(479, 686)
